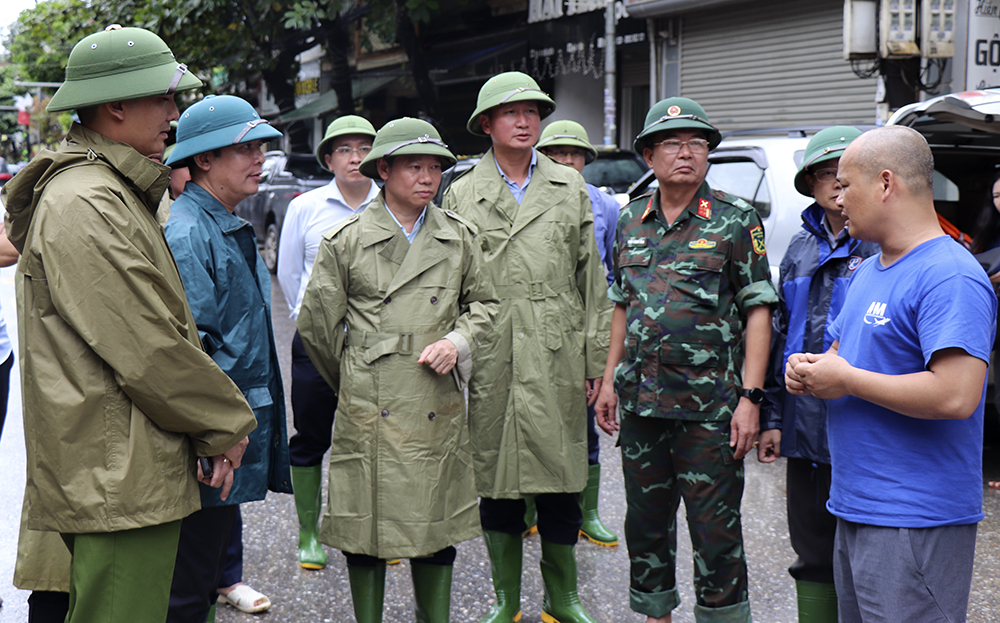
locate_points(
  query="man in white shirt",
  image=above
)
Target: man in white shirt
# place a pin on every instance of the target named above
(345, 144)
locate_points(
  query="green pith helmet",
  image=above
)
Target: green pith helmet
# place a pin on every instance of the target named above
(510, 86)
(405, 137)
(348, 124)
(676, 113)
(119, 64)
(567, 134)
(825, 145)
(216, 122)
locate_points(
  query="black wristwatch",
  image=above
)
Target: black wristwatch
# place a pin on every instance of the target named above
(755, 394)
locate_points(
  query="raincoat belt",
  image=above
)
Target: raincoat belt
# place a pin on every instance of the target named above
(534, 290)
(378, 345)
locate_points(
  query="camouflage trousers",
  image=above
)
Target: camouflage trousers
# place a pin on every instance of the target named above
(663, 461)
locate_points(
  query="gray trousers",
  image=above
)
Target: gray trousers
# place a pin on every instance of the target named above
(903, 575)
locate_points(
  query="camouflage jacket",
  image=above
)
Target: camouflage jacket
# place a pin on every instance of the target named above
(687, 288)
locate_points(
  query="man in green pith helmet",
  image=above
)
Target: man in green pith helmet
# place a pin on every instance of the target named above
(110, 353)
(346, 143)
(689, 351)
(544, 363)
(395, 317)
(814, 275)
(567, 143)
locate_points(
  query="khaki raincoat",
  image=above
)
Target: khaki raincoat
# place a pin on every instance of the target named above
(401, 481)
(527, 410)
(118, 395)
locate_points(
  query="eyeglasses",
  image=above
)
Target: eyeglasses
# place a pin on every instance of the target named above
(698, 146)
(565, 153)
(825, 175)
(347, 151)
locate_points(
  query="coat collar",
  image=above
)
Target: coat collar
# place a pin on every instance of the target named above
(489, 187)
(226, 221)
(433, 244)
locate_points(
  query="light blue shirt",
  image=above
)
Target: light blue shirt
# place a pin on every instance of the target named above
(416, 226)
(515, 189)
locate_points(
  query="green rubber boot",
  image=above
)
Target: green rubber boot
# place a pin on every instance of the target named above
(306, 483)
(530, 517)
(431, 591)
(817, 602)
(505, 563)
(211, 614)
(561, 603)
(367, 591)
(593, 529)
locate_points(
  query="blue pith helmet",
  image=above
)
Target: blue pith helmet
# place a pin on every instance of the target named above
(215, 122)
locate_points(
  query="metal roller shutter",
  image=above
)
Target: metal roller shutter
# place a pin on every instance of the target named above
(777, 66)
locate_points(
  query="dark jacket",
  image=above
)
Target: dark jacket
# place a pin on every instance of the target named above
(812, 286)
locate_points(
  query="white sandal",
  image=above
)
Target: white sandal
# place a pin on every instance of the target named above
(243, 598)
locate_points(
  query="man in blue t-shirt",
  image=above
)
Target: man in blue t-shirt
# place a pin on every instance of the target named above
(907, 377)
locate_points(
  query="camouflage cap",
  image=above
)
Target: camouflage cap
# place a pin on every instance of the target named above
(510, 86)
(676, 113)
(567, 134)
(405, 137)
(827, 144)
(120, 64)
(348, 124)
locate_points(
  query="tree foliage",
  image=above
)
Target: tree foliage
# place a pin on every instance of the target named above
(235, 42)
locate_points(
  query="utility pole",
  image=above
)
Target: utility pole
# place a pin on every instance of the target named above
(609, 75)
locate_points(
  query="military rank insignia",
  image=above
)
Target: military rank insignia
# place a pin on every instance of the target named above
(757, 236)
(704, 208)
(702, 243)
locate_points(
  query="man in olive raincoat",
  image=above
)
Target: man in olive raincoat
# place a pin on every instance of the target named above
(404, 283)
(119, 397)
(528, 407)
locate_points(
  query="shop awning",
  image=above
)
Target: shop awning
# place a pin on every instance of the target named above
(360, 87)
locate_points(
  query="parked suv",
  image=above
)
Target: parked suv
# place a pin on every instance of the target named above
(963, 131)
(285, 177)
(758, 166)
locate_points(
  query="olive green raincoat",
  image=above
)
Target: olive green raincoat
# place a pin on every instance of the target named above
(401, 481)
(527, 411)
(118, 396)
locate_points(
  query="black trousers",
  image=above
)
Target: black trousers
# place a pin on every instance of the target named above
(201, 557)
(5, 388)
(811, 528)
(559, 516)
(314, 404)
(444, 557)
(47, 607)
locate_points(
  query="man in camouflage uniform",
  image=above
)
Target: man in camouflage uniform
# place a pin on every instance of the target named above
(691, 275)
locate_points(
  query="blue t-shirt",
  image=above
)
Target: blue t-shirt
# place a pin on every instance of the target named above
(890, 469)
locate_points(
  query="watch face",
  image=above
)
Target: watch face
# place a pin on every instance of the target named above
(756, 395)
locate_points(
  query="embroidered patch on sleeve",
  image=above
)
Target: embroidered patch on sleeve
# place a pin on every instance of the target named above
(757, 235)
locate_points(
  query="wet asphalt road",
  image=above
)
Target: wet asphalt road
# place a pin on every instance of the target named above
(300, 596)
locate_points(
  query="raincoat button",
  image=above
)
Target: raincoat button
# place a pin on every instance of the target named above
(430, 416)
(385, 413)
(387, 300)
(434, 300)
(520, 336)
